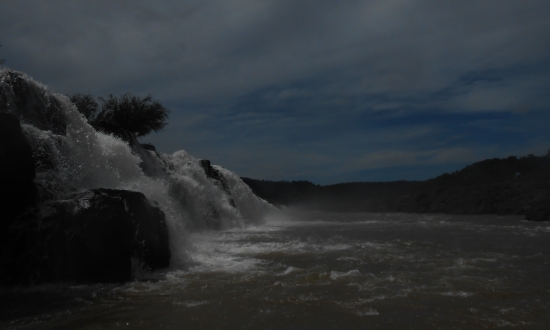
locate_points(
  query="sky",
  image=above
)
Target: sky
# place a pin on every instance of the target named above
(326, 91)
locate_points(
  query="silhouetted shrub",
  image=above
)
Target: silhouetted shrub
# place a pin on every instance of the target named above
(139, 116)
(86, 105)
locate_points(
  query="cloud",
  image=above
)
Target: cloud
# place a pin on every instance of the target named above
(196, 50)
(303, 86)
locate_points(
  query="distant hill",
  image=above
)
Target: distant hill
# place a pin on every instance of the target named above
(494, 186)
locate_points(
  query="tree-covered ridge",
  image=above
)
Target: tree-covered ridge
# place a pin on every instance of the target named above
(139, 116)
(513, 185)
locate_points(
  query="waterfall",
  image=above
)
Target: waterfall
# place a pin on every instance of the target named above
(83, 158)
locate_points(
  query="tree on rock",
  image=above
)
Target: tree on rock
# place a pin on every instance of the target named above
(139, 116)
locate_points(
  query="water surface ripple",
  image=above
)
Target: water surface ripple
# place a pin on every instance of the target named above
(313, 270)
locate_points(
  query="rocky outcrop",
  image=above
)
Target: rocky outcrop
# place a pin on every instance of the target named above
(539, 209)
(213, 174)
(149, 147)
(218, 178)
(17, 171)
(30, 102)
(86, 237)
(151, 162)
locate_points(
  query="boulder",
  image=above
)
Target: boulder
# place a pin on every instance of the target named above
(17, 171)
(215, 175)
(218, 178)
(87, 237)
(148, 146)
(152, 163)
(539, 210)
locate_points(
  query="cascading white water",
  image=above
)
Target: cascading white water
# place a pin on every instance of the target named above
(86, 159)
(197, 193)
(247, 203)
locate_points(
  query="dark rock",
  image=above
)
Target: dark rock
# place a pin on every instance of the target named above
(150, 244)
(537, 214)
(88, 237)
(148, 146)
(17, 171)
(215, 175)
(539, 210)
(31, 103)
(151, 162)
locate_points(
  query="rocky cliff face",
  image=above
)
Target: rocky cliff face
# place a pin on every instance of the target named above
(53, 232)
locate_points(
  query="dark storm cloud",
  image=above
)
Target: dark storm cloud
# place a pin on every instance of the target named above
(303, 87)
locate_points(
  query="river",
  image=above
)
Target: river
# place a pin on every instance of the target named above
(315, 270)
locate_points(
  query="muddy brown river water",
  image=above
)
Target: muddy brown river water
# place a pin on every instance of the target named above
(314, 270)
